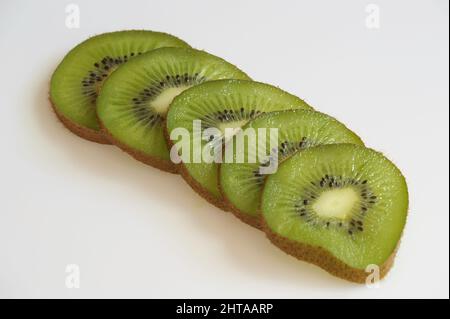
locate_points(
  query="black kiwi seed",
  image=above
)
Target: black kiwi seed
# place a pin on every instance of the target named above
(354, 224)
(259, 177)
(226, 115)
(287, 148)
(150, 93)
(98, 75)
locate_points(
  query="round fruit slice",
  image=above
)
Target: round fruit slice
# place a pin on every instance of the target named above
(221, 107)
(79, 77)
(133, 103)
(342, 207)
(241, 182)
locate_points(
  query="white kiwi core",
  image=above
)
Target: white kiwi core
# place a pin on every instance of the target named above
(163, 100)
(336, 203)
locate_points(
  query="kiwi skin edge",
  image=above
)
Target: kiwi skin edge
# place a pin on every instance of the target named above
(83, 132)
(324, 259)
(164, 165)
(199, 189)
(254, 221)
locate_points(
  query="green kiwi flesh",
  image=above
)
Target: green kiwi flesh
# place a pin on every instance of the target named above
(242, 183)
(133, 103)
(76, 82)
(342, 207)
(221, 105)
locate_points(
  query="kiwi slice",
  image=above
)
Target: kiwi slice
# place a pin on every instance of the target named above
(241, 183)
(79, 77)
(133, 103)
(221, 105)
(342, 207)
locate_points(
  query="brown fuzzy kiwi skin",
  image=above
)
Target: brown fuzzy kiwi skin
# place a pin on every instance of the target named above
(196, 186)
(199, 189)
(324, 259)
(254, 221)
(83, 132)
(164, 165)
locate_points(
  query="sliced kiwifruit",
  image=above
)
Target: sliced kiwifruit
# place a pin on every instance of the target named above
(134, 100)
(241, 182)
(342, 207)
(220, 105)
(77, 80)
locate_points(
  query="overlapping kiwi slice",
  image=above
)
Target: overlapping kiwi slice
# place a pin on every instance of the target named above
(342, 207)
(330, 200)
(133, 103)
(78, 79)
(220, 105)
(241, 182)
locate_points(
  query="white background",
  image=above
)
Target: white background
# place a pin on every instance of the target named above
(137, 232)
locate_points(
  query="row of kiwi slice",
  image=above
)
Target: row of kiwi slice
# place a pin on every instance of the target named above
(329, 201)
(78, 79)
(133, 103)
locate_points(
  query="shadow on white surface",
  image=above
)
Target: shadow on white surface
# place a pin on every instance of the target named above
(68, 200)
(244, 246)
